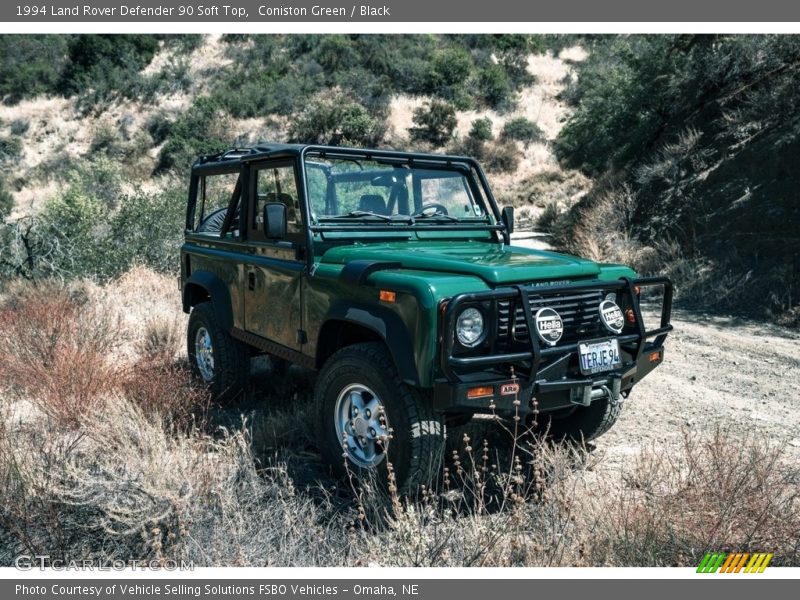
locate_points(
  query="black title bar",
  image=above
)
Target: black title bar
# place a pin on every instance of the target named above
(464, 11)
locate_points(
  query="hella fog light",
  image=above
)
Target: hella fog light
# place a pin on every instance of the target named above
(470, 329)
(612, 317)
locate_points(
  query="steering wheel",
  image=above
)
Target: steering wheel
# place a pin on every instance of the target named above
(439, 209)
(213, 221)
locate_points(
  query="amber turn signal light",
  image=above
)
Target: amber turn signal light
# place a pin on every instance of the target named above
(655, 356)
(478, 392)
(387, 296)
(630, 316)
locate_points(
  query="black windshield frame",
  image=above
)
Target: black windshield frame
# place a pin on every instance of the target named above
(466, 166)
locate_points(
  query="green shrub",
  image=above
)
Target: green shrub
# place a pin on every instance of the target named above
(201, 130)
(496, 87)
(183, 43)
(448, 74)
(703, 132)
(625, 92)
(434, 122)
(99, 177)
(20, 126)
(521, 129)
(512, 51)
(147, 230)
(10, 148)
(105, 64)
(481, 130)
(159, 126)
(31, 65)
(335, 53)
(6, 200)
(336, 121)
(78, 235)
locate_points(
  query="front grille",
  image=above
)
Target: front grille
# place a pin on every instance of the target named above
(579, 313)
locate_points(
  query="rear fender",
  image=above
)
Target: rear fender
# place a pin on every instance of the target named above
(204, 285)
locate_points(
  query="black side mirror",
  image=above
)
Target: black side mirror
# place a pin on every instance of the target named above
(508, 218)
(275, 220)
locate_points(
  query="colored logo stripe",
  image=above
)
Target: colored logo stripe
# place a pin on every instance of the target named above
(758, 563)
(734, 563)
(711, 562)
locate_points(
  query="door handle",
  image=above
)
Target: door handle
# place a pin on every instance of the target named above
(251, 281)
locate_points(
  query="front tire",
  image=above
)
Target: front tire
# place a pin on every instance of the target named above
(217, 359)
(369, 418)
(583, 423)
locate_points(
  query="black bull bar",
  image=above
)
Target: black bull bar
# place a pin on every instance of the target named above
(528, 361)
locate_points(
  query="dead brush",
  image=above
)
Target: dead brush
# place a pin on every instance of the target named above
(161, 385)
(166, 392)
(727, 491)
(56, 350)
(497, 505)
(506, 497)
(160, 340)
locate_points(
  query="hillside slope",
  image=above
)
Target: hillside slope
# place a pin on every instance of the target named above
(48, 134)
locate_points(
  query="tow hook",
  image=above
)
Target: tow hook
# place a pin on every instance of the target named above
(585, 395)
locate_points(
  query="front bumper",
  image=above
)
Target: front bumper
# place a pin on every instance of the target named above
(544, 378)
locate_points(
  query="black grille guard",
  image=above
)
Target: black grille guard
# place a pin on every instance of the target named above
(536, 353)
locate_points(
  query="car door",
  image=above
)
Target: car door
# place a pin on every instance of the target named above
(274, 270)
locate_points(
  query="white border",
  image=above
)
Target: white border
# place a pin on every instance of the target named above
(384, 573)
(403, 27)
(407, 574)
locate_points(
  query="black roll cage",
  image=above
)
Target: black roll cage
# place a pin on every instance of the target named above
(239, 159)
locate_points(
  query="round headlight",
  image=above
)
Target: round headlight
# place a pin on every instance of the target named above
(469, 327)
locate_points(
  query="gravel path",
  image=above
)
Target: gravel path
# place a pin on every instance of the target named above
(717, 371)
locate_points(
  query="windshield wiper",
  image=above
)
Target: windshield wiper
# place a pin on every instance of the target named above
(360, 214)
(438, 215)
(357, 214)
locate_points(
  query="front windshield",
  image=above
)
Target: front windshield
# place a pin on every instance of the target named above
(342, 189)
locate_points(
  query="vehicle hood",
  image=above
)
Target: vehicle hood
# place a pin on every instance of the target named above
(493, 263)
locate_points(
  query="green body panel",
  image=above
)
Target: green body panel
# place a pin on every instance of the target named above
(433, 272)
(222, 259)
(493, 263)
(286, 298)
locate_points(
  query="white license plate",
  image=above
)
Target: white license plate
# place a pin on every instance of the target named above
(596, 357)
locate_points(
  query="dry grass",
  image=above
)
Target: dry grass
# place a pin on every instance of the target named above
(602, 230)
(55, 349)
(152, 472)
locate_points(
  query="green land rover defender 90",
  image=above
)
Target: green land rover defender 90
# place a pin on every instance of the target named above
(392, 274)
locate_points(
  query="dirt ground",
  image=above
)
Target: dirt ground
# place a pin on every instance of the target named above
(717, 371)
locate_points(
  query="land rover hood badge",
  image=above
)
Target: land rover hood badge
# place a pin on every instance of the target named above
(549, 326)
(611, 314)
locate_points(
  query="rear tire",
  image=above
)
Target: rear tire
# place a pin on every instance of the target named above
(217, 359)
(356, 386)
(584, 423)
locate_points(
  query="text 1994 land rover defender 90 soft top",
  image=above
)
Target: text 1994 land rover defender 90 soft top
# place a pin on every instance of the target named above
(391, 273)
